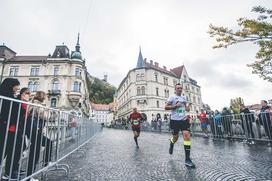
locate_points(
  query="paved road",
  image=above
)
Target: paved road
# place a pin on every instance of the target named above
(112, 155)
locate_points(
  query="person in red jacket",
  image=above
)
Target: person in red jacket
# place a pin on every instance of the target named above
(204, 122)
(135, 121)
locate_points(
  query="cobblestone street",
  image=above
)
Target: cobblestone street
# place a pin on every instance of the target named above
(112, 155)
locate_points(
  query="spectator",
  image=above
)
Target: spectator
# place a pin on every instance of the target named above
(204, 123)
(35, 125)
(247, 118)
(159, 121)
(226, 118)
(218, 124)
(264, 118)
(9, 125)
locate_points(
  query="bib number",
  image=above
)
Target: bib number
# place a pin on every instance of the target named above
(135, 122)
(181, 111)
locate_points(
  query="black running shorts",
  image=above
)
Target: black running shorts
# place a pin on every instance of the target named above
(136, 129)
(177, 126)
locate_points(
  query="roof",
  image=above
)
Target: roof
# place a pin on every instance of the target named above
(3, 48)
(102, 107)
(140, 62)
(178, 70)
(149, 65)
(29, 58)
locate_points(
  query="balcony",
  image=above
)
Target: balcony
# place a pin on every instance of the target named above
(54, 92)
(74, 97)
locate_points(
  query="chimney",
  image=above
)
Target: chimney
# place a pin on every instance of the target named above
(151, 62)
(164, 68)
(156, 64)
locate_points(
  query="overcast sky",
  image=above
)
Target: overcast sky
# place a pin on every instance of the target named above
(171, 32)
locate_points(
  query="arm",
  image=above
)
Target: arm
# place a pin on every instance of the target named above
(169, 106)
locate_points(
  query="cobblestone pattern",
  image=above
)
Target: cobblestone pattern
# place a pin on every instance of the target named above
(112, 155)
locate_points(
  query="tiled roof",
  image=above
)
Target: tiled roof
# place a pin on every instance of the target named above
(149, 65)
(102, 107)
(177, 70)
(29, 58)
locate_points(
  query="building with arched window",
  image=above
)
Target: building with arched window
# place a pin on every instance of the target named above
(62, 76)
(149, 86)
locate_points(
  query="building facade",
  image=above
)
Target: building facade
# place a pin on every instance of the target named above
(62, 76)
(148, 86)
(102, 113)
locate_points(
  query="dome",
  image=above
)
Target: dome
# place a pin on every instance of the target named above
(76, 55)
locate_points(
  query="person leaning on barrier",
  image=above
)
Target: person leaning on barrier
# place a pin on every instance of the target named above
(35, 125)
(9, 126)
(247, 118)
(264, 119)
(226, 118)
(218, 124)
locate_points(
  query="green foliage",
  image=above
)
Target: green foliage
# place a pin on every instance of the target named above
(235, 104)
(258, 31)
(100, 91)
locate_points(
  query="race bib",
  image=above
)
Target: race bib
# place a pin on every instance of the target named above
(135, 122)
(181, 111)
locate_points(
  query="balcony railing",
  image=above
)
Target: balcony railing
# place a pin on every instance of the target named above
(54, 92)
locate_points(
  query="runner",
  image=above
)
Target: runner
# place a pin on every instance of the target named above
(135, 121)
(179, 122)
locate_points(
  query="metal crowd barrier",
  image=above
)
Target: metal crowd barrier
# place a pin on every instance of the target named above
(247, 127)
(34, 139)
(250, 127)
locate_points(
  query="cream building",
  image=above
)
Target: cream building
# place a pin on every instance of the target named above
(102, 113)
(148, 87)
(61, 75)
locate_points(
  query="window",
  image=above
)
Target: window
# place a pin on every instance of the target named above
(55, 85)
(33, 86)
(165, 80)
(30, 86)
(77, 86)
(157, 91)
(138, 78)
(166, 92)
(143, 90)
(78, 72)
(158, 104)
(156, 77)
(138, 91)
(53, 102)
(174, 82)
(56, 70)
(13, 71)
(34, 71)
(142, 77)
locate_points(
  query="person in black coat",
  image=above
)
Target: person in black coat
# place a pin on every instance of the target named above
(9, 127)
(247, 118)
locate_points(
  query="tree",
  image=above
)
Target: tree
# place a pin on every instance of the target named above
(100, 92)
(258, 31)
(235, 104)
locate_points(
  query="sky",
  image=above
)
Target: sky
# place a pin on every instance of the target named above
(170, 32)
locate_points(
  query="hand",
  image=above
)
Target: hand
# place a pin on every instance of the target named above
(178, 104)
(187, 108)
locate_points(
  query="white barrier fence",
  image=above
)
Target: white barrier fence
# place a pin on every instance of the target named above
(34, 139)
